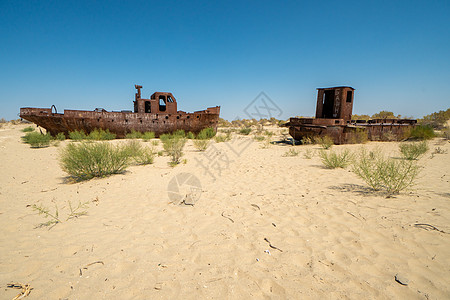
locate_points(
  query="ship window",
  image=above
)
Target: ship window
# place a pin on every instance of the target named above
(187, 117)
(162, 103)
(169, 99)
(140, 121)
(198, 117)
(349, 96)
(178, 117)
(167, 117)
(148, 107)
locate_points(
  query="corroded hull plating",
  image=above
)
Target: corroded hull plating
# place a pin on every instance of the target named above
(121, 123)
(157, 114)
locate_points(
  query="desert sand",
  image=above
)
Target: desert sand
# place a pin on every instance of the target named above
(331, 236)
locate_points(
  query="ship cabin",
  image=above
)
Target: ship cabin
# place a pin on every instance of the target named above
(159, 102)
(335, 103)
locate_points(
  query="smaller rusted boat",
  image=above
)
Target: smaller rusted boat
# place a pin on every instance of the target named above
(334, 119)
(158, 114)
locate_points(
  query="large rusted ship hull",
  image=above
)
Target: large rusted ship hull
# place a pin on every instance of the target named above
(120, 123)
(157, 114)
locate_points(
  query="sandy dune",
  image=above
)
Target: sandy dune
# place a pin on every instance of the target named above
(336, 239)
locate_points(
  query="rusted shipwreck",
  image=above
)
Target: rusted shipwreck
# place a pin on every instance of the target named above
(334, 118)
(158, 114)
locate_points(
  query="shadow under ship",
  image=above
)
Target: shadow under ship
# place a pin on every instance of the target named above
(158, 114)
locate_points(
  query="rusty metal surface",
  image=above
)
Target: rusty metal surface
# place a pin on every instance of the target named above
(158, 114)
(334, 118)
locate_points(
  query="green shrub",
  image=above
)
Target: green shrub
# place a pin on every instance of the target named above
(60, 136)
(333, 160)
(268, 133)
(173, 145)
(145, 156)
(147, 136)
(291, 152)
(179, 132)
(164, 137)
(245, 131)
(190, 135)
(155, 143)
(131, 148)
(412, 151)
(37, 140)
(101, 135)
(77, 135)
(259, 138)
(422, 132)
(201, 145)
(88, 160)
(28, 129)
(325, 142)
(134, 135)
(222, 138)
(206, 134)
(382, 173)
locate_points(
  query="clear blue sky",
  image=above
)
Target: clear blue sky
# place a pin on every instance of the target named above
(88, 54)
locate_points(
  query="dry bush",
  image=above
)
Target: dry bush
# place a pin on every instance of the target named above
(333, 160)
(384, 173)
(173, 145)
(201, 145)
(413, 151)
(37, 140)
(325, 142)
(291, 152)
(84, 161)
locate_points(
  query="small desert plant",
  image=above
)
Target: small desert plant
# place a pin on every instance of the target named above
(88, 160)
(291, 152)
(131, 148)
(259, 138)
(145, 156)
(37, 140)
(75, 212)
(206, 134)
(28, 129)
(60, 136)
(422, 132)
(173, 145)
(201, 145)
(383, 173)
(179, 132)
(155, 143)
(413, 151)
(190, 135)
(268, 133)
(325, 142)
(333, 160)
(222, 138)
(101, 135)
(308, 154)
(134, 135)
(2, 120)
(147, 136)
(77, 135)
(245, 131)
